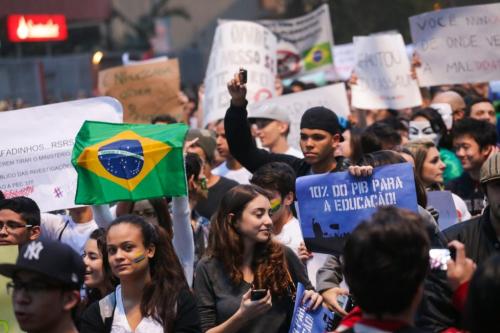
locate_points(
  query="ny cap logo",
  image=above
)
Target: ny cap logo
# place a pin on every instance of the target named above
(33, 251)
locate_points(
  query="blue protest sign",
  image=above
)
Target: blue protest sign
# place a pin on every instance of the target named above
(331, 205)
(303, 321)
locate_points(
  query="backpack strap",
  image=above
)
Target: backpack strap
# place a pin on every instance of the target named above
(64, 228)
(107, 307)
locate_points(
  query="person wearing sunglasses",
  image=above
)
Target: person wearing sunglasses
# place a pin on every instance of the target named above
(45, 292)
(19, 221)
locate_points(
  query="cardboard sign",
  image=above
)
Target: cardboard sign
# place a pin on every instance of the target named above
(458, 45)
(303, 321)
(443, 202)
(331, 205)
(239, 44)
(384, 74)
(35, 149)
(145, 90)
(333, 97)
(304, 43)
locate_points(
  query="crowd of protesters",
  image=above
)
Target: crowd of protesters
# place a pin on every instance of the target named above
(197, 263)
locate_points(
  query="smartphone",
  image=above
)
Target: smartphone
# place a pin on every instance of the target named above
(438, 258)
(243, 74)
(257, 294)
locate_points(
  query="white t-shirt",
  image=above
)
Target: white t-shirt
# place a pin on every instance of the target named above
(291, 235)
(241, 175)
(120, 322)
(75, 234)
(294, 152)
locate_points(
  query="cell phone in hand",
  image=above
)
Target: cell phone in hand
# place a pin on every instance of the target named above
(243, 75)
(438, 259)
(257, 294)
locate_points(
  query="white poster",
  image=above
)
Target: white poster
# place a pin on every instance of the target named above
(36, 145)
(333, 97)
(458, 45)
(304, 43)
(239, 44)
(384, 74)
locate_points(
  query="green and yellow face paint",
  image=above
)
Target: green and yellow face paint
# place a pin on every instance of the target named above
(275, 205)
(138, 258)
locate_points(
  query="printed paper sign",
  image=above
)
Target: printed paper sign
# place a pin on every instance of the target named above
(239, 44)
(458, 45)
(443, 202)
(331, 205)
(304, 43)
(303, 321)
(384, 74)
(145, 89)
(35, 149)
(333, 97)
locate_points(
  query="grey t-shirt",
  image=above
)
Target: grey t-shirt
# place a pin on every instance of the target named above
(218, 299)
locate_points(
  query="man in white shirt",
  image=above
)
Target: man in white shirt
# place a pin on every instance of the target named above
(279, 179)
(231, 168)
(273, 126)
(73, 229)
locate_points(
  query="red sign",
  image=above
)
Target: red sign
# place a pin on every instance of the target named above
(36, 28)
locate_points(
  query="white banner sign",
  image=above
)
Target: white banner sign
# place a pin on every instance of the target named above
(304, 43)
(384, 74)
(333, 97)
(36, 145)
(458, 45)
(239, 44)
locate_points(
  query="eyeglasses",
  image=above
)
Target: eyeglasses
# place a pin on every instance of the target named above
(13, 226)
(147, 213)
(31, 287)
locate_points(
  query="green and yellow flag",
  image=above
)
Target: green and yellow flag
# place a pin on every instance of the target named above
(128, 162)
(317, 56)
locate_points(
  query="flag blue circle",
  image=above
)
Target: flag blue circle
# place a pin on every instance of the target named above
(317, 56)
(123, 159)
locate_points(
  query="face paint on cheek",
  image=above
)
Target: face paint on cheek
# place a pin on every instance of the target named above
(139, 258)
(275, 205)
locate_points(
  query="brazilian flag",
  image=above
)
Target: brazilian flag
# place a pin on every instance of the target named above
(128, 162)
(317, 56)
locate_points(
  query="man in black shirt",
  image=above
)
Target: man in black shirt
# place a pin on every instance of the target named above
(320, 135)
(473, 140)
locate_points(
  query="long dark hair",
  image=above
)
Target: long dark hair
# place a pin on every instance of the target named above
(226, 244)
(110, 281)
(159, 296)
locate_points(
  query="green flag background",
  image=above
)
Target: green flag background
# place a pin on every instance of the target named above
(128, 162)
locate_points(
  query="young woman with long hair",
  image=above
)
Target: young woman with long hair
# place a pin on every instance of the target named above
(153, 295)
(429, 170)
(242, 256)
(99, 281)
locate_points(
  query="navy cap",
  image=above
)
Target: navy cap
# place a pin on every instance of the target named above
(55, 260)
(322, 118)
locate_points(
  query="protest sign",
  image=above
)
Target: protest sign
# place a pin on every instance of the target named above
(304, 321)
(458, 45)
(8, 322)
(304, 43)
(35, 149)
(145, 90)
(384, 74)
(331, 205)
(343, 62)
(333, 97)
(239, 44)
(443, 202)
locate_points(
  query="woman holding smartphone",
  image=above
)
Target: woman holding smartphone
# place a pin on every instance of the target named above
(243, 260)
(153, 295)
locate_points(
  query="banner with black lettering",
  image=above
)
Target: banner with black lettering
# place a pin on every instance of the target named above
(458, 45)
(331, 205)
(36, 146)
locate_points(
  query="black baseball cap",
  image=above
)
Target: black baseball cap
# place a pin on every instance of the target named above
(55, 260)
(322, 118)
